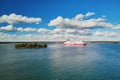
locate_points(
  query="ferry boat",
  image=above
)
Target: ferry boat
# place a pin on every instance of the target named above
(74, 43)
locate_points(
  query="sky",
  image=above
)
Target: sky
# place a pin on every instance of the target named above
(58, 20)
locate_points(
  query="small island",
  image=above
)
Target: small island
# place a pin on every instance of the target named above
(30, 45)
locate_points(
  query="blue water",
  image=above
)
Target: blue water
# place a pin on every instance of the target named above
(56, 62)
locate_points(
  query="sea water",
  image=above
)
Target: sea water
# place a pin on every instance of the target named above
(98, 61)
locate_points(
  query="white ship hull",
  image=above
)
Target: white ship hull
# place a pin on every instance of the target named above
(70, 43)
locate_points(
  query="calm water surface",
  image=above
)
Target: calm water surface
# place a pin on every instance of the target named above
(91, 62)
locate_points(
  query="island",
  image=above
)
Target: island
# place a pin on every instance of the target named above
(30, 45)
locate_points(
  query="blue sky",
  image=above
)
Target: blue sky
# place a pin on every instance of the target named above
(51, 16)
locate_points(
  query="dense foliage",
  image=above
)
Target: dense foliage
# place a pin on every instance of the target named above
(30, 45)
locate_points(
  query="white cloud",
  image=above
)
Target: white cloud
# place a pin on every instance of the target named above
(47, 31)
(55, 37)
(29, 37)
(79, 17)
(13, 19)
(82, 16)
(89, 14)
(74, 23)
(105, 33)
(56, 21)
(80, 25)
(116, 27)
(80, 32)
(58, 31)
(7, 37)
(7, 28)
(78, 22)
(43, 30)
(77, 28)
(20, 29)
(29, 29)
(69, 31)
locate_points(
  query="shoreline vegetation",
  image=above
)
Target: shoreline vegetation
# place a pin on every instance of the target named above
(30, 45)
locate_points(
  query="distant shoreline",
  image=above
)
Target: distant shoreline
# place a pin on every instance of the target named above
(61, 42)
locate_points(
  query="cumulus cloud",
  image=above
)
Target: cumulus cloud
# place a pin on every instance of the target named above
(80, 25)
(58, 31)
(78, 22)
(77, 28)
(56, 37)
(79, 17)
(20, 29)
(47, 31)
(80, 32)
(7, 28)
(30, 37)
(56, 22)
(89, 14)
(30, 29)
(13, 19)
(116, 27)
(72, 23)
(7, 37)
(105, 33)
(43, 30)
(82, 16)
(69, 31)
